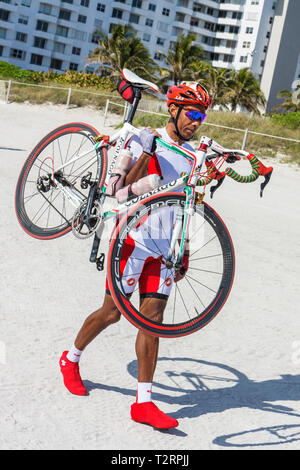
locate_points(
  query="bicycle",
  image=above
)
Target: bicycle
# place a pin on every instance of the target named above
(60, 190)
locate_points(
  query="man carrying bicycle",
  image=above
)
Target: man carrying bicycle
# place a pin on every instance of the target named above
(187, 104)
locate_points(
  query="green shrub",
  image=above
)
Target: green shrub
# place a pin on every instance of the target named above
(15, 73)
(290, 120)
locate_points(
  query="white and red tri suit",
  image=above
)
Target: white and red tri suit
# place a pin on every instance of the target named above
(141, 256)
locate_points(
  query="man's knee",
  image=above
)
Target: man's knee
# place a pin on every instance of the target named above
(112, 313)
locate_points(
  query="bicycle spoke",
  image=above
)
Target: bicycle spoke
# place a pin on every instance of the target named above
(203, 246)
(190, 277)
(205, 270)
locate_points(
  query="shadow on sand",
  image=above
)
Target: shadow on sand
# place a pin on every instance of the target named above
(232, 390)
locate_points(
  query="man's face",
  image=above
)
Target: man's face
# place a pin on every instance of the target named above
(186, 126)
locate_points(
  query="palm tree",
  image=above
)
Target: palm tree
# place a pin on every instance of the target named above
(180, 58)
(244, 91)
(215, 80)
(123, 49)
(290, 104)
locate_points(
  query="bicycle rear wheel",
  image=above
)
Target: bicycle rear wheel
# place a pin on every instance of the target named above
(196, 299)
(42, 209)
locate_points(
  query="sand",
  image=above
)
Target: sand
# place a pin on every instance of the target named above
(233, 385)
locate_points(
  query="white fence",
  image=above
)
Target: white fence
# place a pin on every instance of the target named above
(153, 107)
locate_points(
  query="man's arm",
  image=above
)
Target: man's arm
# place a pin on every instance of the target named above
(139, 169)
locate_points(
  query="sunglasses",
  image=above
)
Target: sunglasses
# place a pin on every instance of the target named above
(195, 115)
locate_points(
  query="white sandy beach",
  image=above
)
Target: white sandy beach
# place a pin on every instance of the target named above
(233, 385)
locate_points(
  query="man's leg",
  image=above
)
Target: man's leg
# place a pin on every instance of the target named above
(97, 322)
(93, 325)
(144, 410)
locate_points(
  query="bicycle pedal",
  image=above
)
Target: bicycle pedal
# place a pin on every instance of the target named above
(100, 262)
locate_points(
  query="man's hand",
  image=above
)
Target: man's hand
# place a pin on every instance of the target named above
(147, 138)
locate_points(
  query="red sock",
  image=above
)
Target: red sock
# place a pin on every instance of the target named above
(148, 413)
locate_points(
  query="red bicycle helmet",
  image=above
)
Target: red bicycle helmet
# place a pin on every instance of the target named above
(188, 93)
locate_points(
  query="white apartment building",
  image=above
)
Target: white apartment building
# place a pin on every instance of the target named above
(58, 34)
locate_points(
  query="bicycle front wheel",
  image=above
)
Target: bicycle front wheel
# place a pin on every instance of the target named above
(145, 234)
(43, 209)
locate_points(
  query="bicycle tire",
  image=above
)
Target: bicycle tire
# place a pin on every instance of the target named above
(125, 305)
(52, 144)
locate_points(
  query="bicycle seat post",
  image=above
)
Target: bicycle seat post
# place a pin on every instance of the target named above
(137, 98)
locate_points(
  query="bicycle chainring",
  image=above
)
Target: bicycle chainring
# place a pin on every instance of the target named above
(85, 226)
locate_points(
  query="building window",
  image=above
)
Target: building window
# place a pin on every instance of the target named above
(45, 8)
(36, 59)
(65, 15)
(21, 37)
(228, 58)
(230, 44)
(1, 51)
(210, 11)
(73, 66)
(158, 56)
(194, 22)
(62, 31)
(166, 11)
(4, 15)
(82, 19)
(134, 18)
(42, 26)
(59, 47)
(146, 37)
(3, 33)
(244, 58)
(220, 28)
(234, 29)
(160, 41)
(76, 51)
(222, 14)
(197, 7)
(237, 15)
(209, 26)
(23, 19)
(101, 7)
(152, 7)
(137, 3)
(26, 3)
(56, 64)
(96, 37)
(246, 44)
(249, 30)
(116, 13)
(85, 3)
(39, 42)
(149, 22)
(17, 54)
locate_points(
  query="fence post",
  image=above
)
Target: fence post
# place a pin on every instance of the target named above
(245, 139)
(106, 111)
(8, 91)
(69, 97)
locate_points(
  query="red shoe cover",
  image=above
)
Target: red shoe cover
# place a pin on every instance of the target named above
(70, 372)
(148, 413)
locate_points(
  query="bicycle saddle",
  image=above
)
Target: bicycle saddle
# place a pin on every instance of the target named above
(137, 81)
